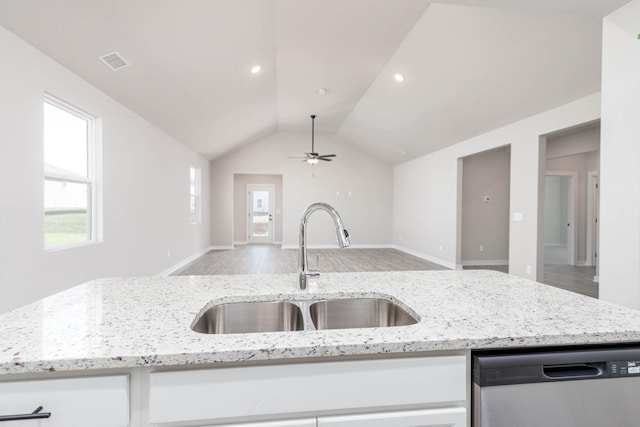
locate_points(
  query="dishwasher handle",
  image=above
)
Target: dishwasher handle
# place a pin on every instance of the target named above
(573, 370)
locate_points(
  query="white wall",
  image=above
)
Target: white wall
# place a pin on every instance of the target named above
(425, 201)
(358, 185)
(486, 224)
(577, 141)
(619, 158)
(145, 186)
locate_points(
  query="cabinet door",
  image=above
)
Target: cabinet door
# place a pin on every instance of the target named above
(311, 422)
(72, 402)
(270, 392)
(450, 417)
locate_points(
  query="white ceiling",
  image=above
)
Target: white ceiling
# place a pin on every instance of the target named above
(470, 65)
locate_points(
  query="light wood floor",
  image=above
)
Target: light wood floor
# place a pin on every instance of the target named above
(571, 278)
(250, 259)
(271, 259)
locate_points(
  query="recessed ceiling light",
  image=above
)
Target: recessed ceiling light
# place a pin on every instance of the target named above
(255, 69)
(401, 152)
(322, 91)
(399, 77)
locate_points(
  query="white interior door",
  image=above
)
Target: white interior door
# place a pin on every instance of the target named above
(560, 219)
(260, 203)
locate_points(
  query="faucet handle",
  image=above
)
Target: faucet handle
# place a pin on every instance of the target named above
(346, 233)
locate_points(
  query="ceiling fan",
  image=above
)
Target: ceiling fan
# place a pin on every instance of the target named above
(312, 158)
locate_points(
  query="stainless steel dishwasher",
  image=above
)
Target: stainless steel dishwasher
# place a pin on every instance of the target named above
(581, 387)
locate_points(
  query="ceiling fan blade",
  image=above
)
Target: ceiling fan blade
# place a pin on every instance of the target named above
(326, 160)
(326, 155)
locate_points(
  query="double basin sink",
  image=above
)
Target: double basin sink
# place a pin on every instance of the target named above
(298, 315)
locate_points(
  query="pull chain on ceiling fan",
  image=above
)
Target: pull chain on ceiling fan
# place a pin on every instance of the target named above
(312, 158)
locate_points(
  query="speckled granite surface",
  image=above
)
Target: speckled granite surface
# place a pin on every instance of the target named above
(131, 322)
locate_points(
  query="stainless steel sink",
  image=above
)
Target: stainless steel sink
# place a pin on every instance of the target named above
(358, 313)
(248, 317)
(298, 315)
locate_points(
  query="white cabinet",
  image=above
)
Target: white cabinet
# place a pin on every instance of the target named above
(283, 391)
(72, 402)
(309, 422)
(447, 417)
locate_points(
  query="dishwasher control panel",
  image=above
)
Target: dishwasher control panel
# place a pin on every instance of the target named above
(624, 368)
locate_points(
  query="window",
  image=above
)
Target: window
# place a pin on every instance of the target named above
(69, 175)
(194, 194)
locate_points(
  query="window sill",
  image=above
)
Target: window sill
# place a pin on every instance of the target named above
(73, 246)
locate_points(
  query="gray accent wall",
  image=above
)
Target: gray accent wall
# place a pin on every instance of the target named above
(485, 223)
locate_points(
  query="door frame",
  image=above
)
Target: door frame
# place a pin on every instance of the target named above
(272, 224)
(572, 235)
(593, 179)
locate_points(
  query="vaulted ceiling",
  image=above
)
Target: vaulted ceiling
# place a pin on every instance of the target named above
(469, 66)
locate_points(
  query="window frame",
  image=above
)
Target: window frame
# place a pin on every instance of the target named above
(90, 180)
(195, 215)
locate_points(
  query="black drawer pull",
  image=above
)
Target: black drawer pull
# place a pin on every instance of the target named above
(35, 415)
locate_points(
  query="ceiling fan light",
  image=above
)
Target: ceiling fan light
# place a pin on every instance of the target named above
(312, 161)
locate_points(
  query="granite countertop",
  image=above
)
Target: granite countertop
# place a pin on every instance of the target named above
(133, 322)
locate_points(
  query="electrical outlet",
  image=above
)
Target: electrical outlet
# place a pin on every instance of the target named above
(528, 269)
(441, 248)
(481, 248)
(168, 253)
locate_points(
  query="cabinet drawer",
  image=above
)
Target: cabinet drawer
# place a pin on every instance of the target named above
(309, 422)
(446, 417)
(227, 393)
(81, 402)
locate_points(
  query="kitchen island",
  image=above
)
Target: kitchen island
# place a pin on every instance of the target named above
(140, 328)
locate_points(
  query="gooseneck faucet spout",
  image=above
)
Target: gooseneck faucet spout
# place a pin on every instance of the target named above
(341, 232)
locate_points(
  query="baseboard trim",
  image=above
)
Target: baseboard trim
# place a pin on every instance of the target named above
(185, 261)
(583, 264)
(244, 243)
(335, 246)
(486, 262)
(442, 262)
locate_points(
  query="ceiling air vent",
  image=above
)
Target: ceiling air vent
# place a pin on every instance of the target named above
(114, 60)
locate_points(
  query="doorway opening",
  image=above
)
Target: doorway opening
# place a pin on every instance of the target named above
(570, 209)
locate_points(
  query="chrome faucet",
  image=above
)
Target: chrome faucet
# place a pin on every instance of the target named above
(303, 262)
